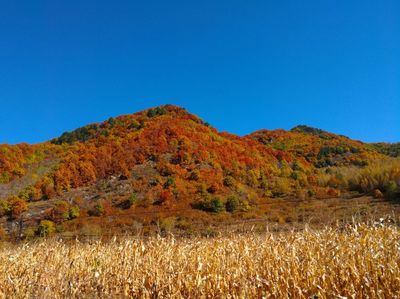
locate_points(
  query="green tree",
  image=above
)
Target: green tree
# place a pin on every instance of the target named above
(98, 210)
(391, 187)
(296, 166)
(215, 205)
(74, 212)
(232, 204)
(4, 208)
(156, 111)
(45, 228)
(229, 181)
(169, 183)
(132, 200)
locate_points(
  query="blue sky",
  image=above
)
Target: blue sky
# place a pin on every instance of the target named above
(240, 65)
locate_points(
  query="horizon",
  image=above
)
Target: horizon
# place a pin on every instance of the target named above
(205, 120)
(242, 67)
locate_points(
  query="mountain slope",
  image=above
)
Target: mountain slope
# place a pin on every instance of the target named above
(320, 148)
(165, 159)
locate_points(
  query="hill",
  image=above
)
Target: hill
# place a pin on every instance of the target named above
(165, 163)
(318, 147)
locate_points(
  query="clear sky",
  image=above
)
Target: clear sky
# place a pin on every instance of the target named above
(240, 65)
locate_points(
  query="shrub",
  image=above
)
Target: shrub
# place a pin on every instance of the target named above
(264, 182)
(156, 112)
(111, 121)
(74, 212)
(129, 202)
(252, 178)
(165, 196)
(166, 225)
(213, 188)
(215, 205)
(25, 194)
(170, 183)
(229, 181)
(360, 162)
(17, 206)
(98, 210)
(134, 125)
(81, 134)
(391, 187)
(281, 187)
(194, 175)
(382, 176)
(29, 233)
(295, 175)
(296, 166)
(45, 228)
(245, 206)
(232, 204)
(132, 199)
(4, 208)
(311, 193)
(61, 210)
(378, 194)
(333, 192)
(185, 225)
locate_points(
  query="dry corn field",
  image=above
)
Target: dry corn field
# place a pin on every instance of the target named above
(357, 262)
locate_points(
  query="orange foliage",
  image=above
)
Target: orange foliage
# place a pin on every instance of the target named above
(17, 207)
(171, 144)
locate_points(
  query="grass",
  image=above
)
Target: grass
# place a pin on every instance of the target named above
(355, 261)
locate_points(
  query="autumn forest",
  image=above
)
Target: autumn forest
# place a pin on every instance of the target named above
(167, 169)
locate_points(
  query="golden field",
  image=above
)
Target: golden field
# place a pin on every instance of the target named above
(355, 261)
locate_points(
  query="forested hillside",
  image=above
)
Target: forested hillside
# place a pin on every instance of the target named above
(167, 162)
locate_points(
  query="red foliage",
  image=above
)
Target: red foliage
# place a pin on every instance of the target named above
(165, 196)
(170, 142)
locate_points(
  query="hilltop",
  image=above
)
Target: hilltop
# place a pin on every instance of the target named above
(165, 163)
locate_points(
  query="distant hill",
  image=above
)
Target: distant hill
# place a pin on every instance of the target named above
(318, 147)
(388, 149)
(166, 159)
